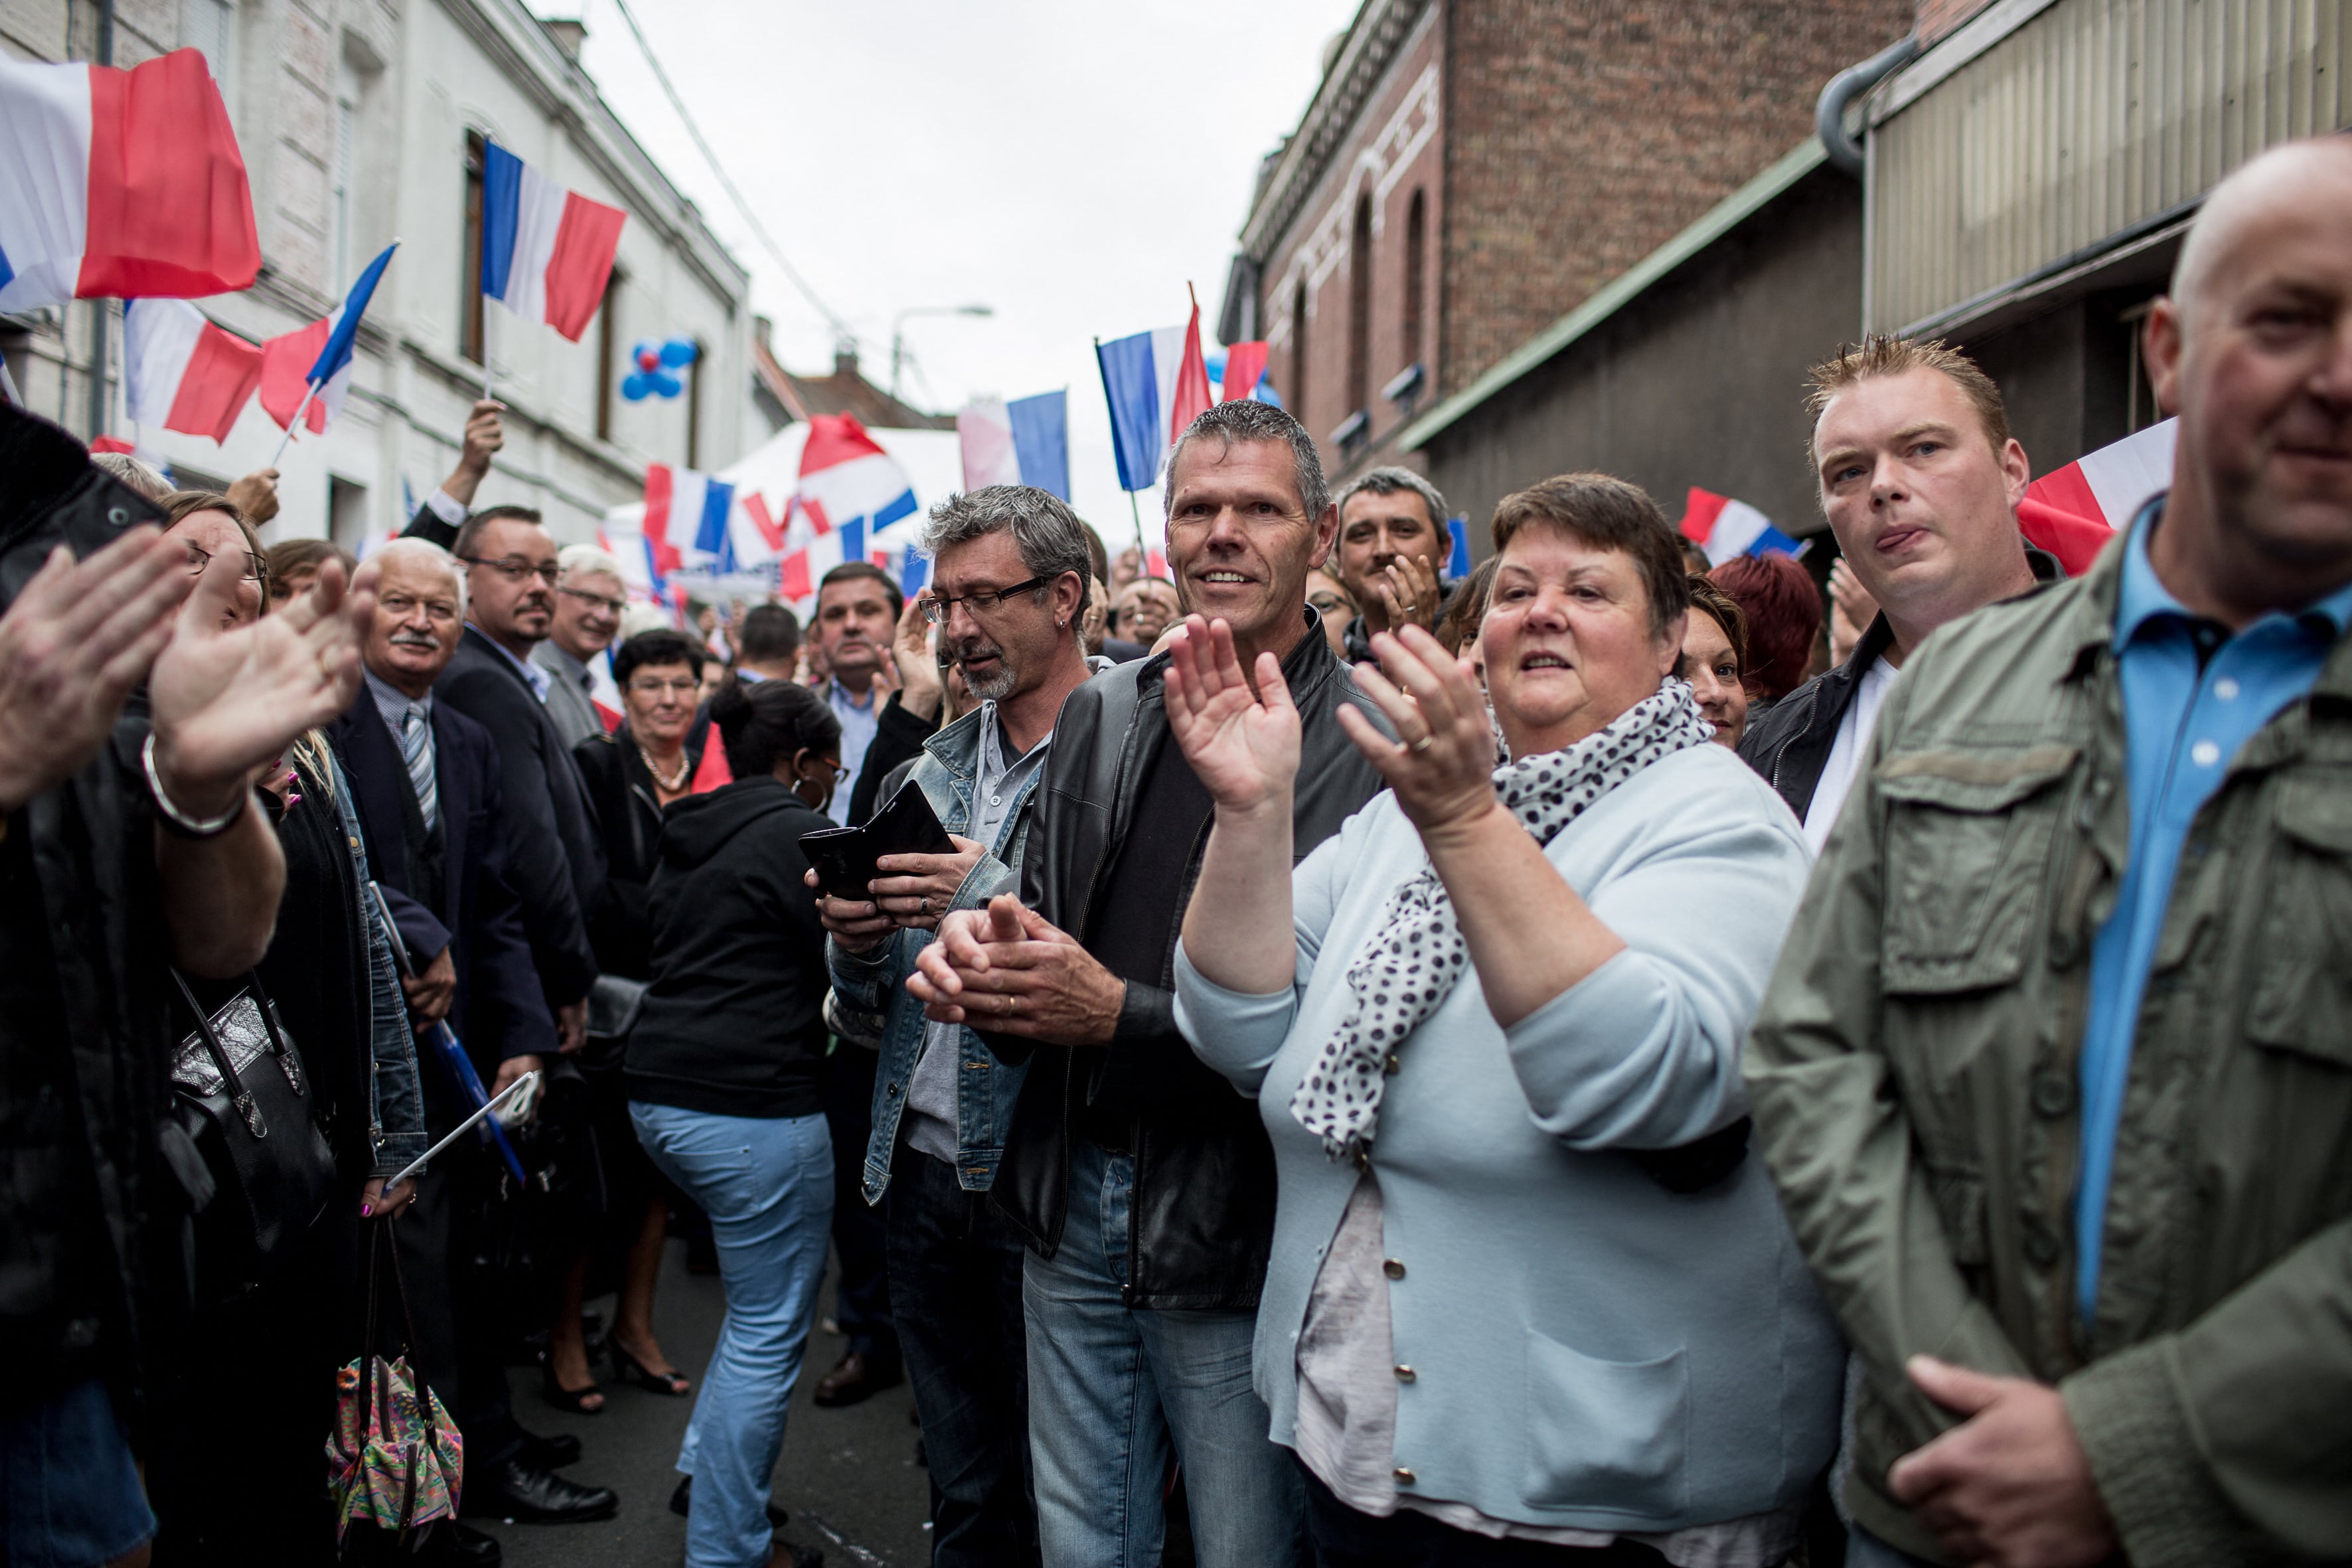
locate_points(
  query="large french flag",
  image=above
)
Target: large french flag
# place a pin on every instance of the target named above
(547, 252)
(2073, 511)
(850, 491)
(1157, 384)
(1726, 528)
(120, 184)
(181, 372)
(1025, 442)
(322, 355)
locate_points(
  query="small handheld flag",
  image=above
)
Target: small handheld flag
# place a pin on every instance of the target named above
(1724, 528)
(327, 373)
(547, 252)
(183, 372)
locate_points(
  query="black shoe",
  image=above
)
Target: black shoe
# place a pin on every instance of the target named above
(553, 1453)
(463, 1546)
(855, 1378)
(571, 1401)
(514, 1490)
(682, 1498)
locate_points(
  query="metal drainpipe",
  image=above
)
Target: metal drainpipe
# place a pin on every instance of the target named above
(1845, 154)
(99, 401)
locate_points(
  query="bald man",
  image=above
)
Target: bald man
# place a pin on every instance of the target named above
(2055, 1074)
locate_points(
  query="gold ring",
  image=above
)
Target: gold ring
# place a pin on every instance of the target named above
(1417, 747)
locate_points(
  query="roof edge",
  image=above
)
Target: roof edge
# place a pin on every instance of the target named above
(1621, 291)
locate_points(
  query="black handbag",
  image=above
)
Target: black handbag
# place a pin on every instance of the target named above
(243, 1097)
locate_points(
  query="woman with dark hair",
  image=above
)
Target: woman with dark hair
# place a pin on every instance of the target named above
(634, 776)
(725, 1072)
(1715, 659)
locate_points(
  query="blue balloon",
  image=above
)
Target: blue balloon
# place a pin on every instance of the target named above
(636, 385)
(679, 352)
(666, 384)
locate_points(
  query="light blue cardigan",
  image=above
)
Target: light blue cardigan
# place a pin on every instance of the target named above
(1590, 1350)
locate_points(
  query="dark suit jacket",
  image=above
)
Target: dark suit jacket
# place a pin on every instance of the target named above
(555, 852)
(498, 1011)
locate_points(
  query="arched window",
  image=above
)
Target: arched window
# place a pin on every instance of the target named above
(1296, 391)
(1359, 308)
(1416, 275)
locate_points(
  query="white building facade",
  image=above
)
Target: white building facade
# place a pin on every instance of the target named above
(362, 121)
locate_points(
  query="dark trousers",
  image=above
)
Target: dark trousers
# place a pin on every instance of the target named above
(862, 1303)
(955, 1282)
(1344, 1538)
(452, 1297)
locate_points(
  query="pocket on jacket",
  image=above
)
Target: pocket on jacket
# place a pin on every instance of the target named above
(2303, 956)
(1605, 1434)
(1969, 840)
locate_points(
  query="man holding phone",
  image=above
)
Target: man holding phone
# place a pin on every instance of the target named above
(1011, 585)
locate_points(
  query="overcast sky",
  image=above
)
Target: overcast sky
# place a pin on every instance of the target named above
(1071, 163)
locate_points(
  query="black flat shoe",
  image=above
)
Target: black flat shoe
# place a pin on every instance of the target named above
(682, 1498)
(514, 1490)
(462, 1546)
(568, 1399)
(673, 1384)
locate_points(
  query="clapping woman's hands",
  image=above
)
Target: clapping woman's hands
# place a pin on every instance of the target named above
(1243, 744)
(1442, 764)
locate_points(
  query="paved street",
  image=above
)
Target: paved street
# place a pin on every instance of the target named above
(849, 1477)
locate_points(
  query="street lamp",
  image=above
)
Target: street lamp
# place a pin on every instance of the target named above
(898, 336)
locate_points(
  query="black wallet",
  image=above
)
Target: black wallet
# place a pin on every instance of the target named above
(845, 857)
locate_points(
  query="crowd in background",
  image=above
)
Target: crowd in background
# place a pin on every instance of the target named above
(1619, 1059)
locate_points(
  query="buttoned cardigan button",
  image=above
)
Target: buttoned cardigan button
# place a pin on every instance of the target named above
(2054, 1094)
(1405, 1373)
(1393, 1269)
(1404, 1477)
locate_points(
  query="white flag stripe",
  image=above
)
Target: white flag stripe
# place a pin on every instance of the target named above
(44, 181)
(159, 338)
(539, 213)
(2124, 475)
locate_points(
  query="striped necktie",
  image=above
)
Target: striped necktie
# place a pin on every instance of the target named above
(416, 751)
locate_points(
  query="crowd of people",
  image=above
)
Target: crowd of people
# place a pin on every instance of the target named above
(1613, 1061)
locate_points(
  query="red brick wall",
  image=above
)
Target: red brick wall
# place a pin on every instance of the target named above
(1938, 18)
(1581, 134)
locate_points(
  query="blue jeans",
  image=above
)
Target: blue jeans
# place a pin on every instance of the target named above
(767, 1184)
(1864, 1549)
(69, 1494)
(1113, 1390)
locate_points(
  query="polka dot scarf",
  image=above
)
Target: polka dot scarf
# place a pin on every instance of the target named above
(1406, 970)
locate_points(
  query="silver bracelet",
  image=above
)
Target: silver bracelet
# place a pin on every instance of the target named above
(180, 821)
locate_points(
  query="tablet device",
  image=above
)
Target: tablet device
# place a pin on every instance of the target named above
(845, 857)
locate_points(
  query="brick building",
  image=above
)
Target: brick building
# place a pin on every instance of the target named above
(1472, 170)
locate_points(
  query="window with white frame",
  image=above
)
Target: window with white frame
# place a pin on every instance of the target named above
(344, 247)
(209, 27)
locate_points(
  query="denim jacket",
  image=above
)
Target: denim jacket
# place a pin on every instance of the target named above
(874, 983)
(396, 1101)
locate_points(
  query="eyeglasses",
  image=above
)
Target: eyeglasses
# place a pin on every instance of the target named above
(256, 568)
(515, 571)
(840, 773)
(603, 602)
(980, 602)
(1326, 604)
(399, 606)
(655, 686)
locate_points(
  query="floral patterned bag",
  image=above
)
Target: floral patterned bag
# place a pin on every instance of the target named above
(395, 1460)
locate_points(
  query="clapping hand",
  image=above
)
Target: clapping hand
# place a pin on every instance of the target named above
(1409, 592)
(226, 699)
(1442, 764)
(1006, 968)
(1243, 744)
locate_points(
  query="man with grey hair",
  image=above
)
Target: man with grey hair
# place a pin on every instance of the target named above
(1142, 1186)
(1010, 587)
(1392, 540)
(590, 594)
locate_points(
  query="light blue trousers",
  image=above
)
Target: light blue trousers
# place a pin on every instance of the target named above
(767, 1184)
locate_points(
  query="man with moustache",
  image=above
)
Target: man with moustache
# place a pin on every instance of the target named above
(555, 852)
(2053, 1075)
(1142, 1185)
(426, 785)
(1920, 480)
(1010, 591)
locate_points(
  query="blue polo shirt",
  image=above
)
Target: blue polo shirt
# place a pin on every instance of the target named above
(2193, 694)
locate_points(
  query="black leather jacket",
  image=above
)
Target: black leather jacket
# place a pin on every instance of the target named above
(1205, 1184)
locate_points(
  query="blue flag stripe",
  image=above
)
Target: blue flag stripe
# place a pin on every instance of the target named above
(337, 353)
(502, 214)
(1041, 439)
(1131, 387)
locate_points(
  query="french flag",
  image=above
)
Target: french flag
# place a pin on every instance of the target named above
(120, 184)
(2073, 511)
(1157, 384)
(685, 511)
(181, 372)
(547, 252)
(1025, 442)
(1244, 378)
(1726, 529)
(850, 490)
(319, 356)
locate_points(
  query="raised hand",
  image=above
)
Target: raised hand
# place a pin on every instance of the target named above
(920, 689)
(227, 699)
(1442, 764)
(75, 642)
(1243, 745)
(1409, 592)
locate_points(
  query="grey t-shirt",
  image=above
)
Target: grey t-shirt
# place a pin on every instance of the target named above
(931, 1091)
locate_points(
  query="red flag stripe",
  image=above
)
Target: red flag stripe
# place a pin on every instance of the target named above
(1191, 398)
(284, 374)
(585, 242)
(221, 375)
(1244, 367)
(171, 210)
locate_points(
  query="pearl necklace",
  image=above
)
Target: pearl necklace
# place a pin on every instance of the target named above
(675, 784)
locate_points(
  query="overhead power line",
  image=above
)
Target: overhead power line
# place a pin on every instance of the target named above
(743, 208)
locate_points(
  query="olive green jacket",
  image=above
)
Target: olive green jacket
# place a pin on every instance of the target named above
(1914, 1071)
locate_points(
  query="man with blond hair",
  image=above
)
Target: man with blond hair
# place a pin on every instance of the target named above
(1920, 480)
(2053, 1074)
